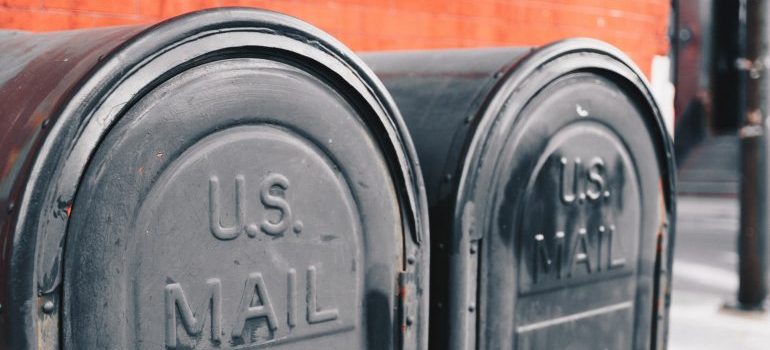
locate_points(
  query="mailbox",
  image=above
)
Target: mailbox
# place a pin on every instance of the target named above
(550, 183)
(231, 178)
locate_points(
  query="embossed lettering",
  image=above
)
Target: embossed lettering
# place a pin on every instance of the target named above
(255, 286)
(291, 302)
(272, 197)
(314, 314)
(602, 238)
(580, 241)
(594, 184)
(614, 262)
(569, 189)
(176, 301)
(596, 178)
(255, 303)
(215, 208)
(581, 252)
(551, 258)
(273, 201)
(545, 261)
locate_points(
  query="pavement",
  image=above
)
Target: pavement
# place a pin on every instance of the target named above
(711, 168)
(705, 279)
(705, 259)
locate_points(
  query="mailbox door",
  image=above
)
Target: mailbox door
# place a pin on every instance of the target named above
(227, 179)
(572, 208)
(551, 190)
(221, 211)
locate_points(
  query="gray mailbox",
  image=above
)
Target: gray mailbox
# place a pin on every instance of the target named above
(550, 182)
(227, 179)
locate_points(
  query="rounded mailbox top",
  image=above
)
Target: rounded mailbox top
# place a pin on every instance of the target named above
(571, 178)
(229, 178)
(550, 182)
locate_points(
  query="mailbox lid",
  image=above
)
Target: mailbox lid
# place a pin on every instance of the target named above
(487, 124)
(575, 204)
(221, 193)
(324, 119)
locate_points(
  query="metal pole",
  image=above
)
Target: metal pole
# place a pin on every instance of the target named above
(674, 40)
(753, 220)
(727, 79)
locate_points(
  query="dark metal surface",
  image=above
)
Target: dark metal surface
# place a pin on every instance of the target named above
(727, 78)
(201, 183)
(39, 74)
(440, 94)
(752, 239)
(550, 180)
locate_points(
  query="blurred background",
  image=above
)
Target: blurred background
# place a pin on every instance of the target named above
(693, 47)
(637, 27)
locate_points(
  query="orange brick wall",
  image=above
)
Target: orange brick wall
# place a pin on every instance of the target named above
(636, 26)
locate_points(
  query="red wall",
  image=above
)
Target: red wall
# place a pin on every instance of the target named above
(638, 27)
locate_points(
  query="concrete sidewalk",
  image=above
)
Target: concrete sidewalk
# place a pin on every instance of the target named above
(705, 277)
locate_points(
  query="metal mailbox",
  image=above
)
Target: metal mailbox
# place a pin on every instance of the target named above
(227, 179)
(550, 183)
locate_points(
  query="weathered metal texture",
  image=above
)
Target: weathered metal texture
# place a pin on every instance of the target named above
(550, 180)
(40, 73)
(150, 173)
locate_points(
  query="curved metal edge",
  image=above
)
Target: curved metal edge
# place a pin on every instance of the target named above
(517, 74)
(53, 181)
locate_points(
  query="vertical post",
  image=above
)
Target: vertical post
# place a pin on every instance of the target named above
(752, 238)
(673, 40)
(727, 79)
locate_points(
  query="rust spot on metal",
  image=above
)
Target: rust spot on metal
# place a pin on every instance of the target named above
(37, 119)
